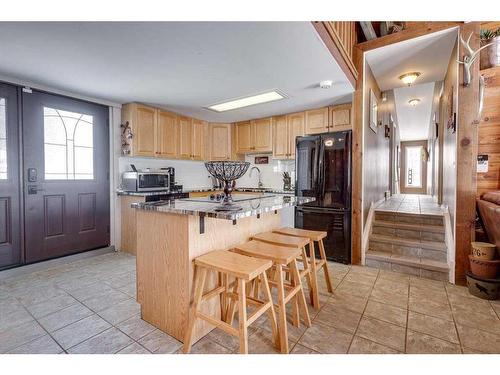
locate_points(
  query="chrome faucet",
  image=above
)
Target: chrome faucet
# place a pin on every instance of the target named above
(258, 170)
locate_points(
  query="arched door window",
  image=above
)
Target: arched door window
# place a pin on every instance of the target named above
(68, 145)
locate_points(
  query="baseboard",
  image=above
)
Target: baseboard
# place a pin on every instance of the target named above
(42, 266)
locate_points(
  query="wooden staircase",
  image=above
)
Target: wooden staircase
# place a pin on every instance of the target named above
(408, 243)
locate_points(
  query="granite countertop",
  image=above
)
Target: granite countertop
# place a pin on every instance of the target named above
(251, 207)
(202, 190)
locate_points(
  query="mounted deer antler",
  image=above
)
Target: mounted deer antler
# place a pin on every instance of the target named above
(469, 58)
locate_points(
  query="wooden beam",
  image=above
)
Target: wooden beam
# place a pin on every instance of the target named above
(368, 30)
(467, 130)
(335, 51)
(415, 30)
(357, 160)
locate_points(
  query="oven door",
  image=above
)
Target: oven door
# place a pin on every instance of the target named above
(152, 181)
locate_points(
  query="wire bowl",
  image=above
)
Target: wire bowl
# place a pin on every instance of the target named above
(228, 172)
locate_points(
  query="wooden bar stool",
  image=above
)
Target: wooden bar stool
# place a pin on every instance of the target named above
(244, 269)
(282, 257)
(296, 243)
(313, 236)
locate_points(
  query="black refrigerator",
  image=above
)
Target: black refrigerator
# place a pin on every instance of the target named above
(323, 171)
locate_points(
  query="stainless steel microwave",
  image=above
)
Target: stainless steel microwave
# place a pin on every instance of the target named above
(145, 181)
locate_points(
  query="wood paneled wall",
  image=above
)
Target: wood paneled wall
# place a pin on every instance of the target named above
(489, 132)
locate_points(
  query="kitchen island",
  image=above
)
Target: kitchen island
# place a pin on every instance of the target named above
(171, 234)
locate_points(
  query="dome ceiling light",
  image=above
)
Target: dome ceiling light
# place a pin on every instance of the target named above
(413, 102)
(409, 78)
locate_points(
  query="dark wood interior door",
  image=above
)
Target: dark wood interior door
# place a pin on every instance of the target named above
(66, 180)
(10, 218)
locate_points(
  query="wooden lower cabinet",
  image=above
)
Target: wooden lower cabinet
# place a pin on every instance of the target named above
(129, 223)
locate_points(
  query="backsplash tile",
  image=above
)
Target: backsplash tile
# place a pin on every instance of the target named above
(193, 174)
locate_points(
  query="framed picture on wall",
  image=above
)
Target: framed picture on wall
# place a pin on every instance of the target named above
(373, 111)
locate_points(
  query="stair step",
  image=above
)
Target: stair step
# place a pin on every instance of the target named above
(409, 226)
(422, 244)
(409, 218)
(409, 261)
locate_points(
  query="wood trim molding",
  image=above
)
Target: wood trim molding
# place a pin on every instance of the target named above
(467, 134)
(331, 44)
(414, 30)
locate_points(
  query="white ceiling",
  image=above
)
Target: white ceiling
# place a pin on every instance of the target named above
(428, 55)
(414, 121)
(181, 66)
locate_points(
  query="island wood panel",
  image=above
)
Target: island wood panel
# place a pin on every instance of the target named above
(129, 223)
(167, 246)
(489, 132)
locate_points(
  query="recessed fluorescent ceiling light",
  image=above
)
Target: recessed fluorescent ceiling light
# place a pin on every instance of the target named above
(265, 97)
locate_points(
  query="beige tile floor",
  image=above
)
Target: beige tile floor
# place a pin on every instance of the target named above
(88, 306)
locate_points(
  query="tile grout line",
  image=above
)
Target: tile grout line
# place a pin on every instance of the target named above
(48, 333)
(363, 313)
(454, 321)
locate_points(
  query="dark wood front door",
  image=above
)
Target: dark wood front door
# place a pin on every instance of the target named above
(66, 175)
(10, 218)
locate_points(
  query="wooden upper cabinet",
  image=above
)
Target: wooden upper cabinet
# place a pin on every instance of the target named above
(296, 128)
(198, 139)
(142, 121)
(280, 137)
(340, 117)
(185, 140)
(166, 135)
(317, 121)
(286, 130)
(263, 135)
(219, 141)
(244, 137)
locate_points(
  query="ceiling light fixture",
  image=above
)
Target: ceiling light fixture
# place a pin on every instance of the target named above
(265, 97)
(413, 102)
(409, 78)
